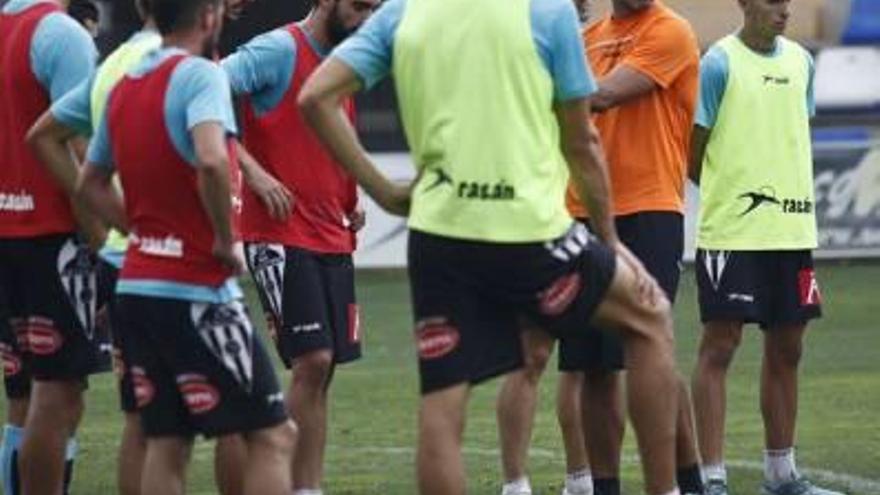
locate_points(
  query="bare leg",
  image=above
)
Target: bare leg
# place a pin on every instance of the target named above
(568, 412)
(441, 426)
(165, 465)
(16, 412)
(132, 454)
(717, 349)
(779, 385)
(604, 421)
(645, 323)
(230, 459)
(307, 403)
(55, 410)
(515, 408)
(269, 456)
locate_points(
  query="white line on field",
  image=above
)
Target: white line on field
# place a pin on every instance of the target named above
(857, 484)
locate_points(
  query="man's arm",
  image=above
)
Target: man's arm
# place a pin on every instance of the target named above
(699, 139)
(320, 103)
(582, 149)
(48, 139)
(623, 84)
(59, 148)
(215, 191)
(659, 57)
(96, 192)
(277, 198)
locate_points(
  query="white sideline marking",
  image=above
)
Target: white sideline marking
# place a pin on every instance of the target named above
(857, 484)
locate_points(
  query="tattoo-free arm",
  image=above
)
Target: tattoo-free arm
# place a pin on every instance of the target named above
(623, 84)
(320, 103)
(586, 163)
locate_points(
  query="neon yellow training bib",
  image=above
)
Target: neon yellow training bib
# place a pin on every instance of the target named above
(477, 108)
(756, 189)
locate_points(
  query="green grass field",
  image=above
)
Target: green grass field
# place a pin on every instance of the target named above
(374, 403)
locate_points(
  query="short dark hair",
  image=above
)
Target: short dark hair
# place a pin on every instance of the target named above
(174, 15)
(83, 10)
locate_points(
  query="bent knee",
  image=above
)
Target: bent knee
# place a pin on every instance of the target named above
(280, 439)
(719, 346)
(313, 368)
(788, 356)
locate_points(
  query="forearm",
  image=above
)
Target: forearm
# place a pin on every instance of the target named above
(590, 175)
(333, 128)
(58, 160)
(101, 199)
(215, 195)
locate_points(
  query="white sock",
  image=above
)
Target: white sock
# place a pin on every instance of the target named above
(715, 472)
(517, 487)
(308, 491)
(673, 492)
(579, 482)
(779, 465)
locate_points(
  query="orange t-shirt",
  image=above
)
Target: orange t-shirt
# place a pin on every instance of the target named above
(646, 139)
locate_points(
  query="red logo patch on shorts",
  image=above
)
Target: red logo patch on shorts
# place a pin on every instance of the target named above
(435, 338)
(144, 391)
(199, 396)
(354, 324)
(11, 362)
(559, 296)
(43, 339)
(809, 288)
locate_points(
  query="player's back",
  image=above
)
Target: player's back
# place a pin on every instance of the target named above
(171, 233)
(30, 202)
(477, 106)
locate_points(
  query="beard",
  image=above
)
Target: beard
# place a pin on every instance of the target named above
(336, 29)
(211, 46)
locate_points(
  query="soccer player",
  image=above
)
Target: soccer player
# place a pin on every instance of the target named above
(46, 273)
(752, 158)
(646, 59)
(299, 247)
(75, 115)
(197, 366)
(494, 100)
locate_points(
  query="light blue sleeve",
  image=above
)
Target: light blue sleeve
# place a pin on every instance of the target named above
(74, 109)
(368, 52)
(62, 54)
(714, 71)
(99, 153)
(556, 29)
(201, 88)
(263, 68)
(811, 94)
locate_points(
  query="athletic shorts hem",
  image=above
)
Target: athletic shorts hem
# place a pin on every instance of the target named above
(481, 377)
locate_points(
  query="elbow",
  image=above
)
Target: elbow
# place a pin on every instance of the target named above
(36, 138)
(308, 102)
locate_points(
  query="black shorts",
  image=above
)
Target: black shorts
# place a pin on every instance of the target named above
(770, 288)
(657, 239)
(50, 292)
(198, 368)
(308, 299)
(110, 322)
(469, 298)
